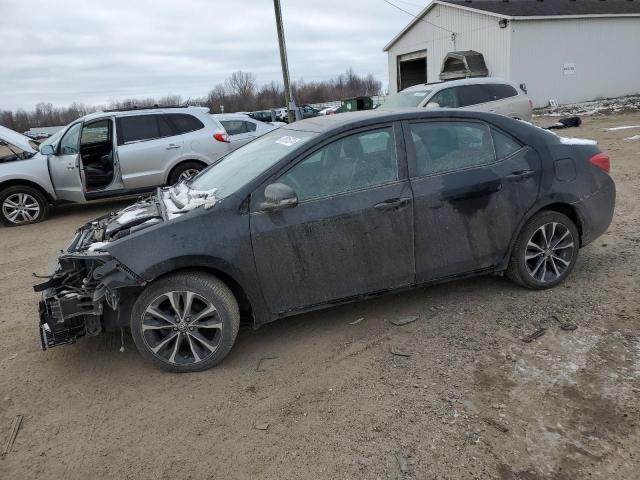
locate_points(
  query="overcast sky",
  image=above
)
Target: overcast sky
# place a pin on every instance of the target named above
(93, 52)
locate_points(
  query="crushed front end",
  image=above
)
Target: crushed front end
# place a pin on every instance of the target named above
(84, 295)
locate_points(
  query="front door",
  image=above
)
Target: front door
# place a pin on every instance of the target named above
(351, 232)
(64, 166)
(472, 185)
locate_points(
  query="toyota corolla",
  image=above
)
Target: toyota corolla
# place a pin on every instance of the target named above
(325, 211)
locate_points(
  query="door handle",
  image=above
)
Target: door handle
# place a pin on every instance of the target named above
(520, 175)
(392, 204)
(171, 146)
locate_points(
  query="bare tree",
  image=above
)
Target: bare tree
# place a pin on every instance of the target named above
(239, 92)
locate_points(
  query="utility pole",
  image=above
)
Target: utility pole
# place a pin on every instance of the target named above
(283, 61)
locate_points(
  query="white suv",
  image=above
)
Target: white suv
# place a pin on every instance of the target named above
(486, 94)
(108, 154)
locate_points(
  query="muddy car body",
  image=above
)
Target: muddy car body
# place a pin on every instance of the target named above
(267, 234)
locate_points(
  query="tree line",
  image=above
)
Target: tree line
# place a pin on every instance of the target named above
(240, 92)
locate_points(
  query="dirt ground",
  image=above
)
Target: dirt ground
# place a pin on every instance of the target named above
(472, 401)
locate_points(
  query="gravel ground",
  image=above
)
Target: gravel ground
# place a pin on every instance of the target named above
(470, 401)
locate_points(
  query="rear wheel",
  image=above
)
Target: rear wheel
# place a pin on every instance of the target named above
(185, 171)
(545, 252)
(22, 205)
(185, 322)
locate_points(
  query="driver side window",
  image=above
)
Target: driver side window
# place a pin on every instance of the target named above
(70, 141)
(358, 161)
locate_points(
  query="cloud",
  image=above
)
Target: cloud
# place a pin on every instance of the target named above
(94, 52)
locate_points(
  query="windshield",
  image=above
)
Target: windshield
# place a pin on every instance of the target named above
(406, 99)
(243, 165)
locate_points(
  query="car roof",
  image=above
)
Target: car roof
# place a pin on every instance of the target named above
(351, 120)
(143, 111)
(230, 116)
(455, 83)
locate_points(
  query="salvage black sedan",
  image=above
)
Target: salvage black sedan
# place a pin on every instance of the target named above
(324, 211)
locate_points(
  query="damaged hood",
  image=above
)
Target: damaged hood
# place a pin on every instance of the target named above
(167, 204)
(14, 138)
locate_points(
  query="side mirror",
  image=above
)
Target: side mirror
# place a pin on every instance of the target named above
(278, 196)
(433, 105)
(47, 149)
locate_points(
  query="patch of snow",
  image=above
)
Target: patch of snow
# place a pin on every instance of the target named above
(96, 246)
(576, 141)
(128, 215)
(623, 127)
(635, 137)
(181, 199)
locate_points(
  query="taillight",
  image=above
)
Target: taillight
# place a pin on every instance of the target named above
(222, 137)
(531, 104)
(601, 160)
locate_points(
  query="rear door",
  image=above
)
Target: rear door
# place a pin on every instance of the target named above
(64, 166)
(472, 185)
(350, 234)
(147, 144)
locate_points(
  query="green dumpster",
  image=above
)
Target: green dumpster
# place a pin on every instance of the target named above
(356, 104)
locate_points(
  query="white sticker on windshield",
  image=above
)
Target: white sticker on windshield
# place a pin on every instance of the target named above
(419, 94)
(288, 141)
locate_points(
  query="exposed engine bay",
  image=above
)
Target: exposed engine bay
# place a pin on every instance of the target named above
(88, 289)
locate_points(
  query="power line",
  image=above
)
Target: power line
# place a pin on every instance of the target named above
(416, 17)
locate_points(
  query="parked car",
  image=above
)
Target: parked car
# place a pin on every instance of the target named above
(16, 146)
(109, 154)
(242, 128)
(327, 211)
(485, 94)
(262, 115)
(330, 110)
(307, 111)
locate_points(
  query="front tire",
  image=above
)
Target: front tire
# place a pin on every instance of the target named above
(22, 205)
(545, 252)
(185, 322)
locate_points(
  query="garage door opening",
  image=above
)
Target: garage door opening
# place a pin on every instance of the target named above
(412, 69)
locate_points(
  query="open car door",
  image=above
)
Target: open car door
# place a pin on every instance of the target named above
(64, 166)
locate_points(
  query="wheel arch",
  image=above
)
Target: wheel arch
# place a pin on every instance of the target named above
(564, 207)
(180, 162)
(27, 183)
(249, 300)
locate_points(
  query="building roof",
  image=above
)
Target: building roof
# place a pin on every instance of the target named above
(551, 8)
(533, 10)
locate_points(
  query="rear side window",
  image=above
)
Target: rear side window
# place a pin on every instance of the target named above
(504, 144)
(237, 127)
(447, 98)
(137, 128)
(445, 146)
(184, 123)
(473, 95)
(498, 91)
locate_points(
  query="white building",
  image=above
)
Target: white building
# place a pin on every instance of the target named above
(567, 50)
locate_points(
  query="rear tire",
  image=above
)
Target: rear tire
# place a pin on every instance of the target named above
(22, 205)
(184, 171)
(185, 322)
(545, 252)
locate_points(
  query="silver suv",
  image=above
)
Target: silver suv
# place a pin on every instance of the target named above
(108, 154)
(484, 94)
